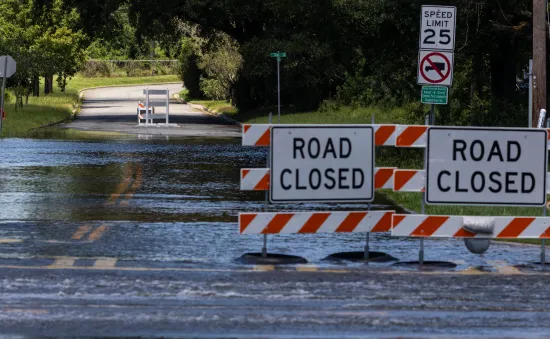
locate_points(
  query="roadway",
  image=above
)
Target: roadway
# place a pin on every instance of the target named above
(131, 234)
(114, 110)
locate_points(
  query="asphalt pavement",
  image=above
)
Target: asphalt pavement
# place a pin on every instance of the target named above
(113, 109)
(131, 234)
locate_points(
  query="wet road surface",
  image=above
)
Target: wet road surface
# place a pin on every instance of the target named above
(125, 235)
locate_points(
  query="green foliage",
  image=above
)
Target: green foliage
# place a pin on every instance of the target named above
(184, 95)
(361, 52)
(190, 72)
(44, 41)
(213, 89)
(220, 64)
(96, 69)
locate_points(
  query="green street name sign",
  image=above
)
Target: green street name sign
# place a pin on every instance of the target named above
(436, 95)
(278, 55)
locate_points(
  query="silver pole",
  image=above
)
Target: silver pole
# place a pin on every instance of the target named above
(147, 106)
(278, 91)
(543, 242)
(264, 249)
(3, 89)
(367, 238)
(167, 106)
(530, 121)
(422, 203)
(367, 249)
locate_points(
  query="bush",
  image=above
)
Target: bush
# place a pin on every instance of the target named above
(189, 70)
(7, 97)
(96, 69)
(213, 89)
(184, 95)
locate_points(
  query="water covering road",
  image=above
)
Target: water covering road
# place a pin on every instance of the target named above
(127, 235)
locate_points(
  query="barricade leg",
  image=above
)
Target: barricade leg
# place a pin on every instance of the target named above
(542, 252)
(367, 250)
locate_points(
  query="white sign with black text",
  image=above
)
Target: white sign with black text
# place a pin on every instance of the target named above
(437, 28)
(486, 166)
(323, 163)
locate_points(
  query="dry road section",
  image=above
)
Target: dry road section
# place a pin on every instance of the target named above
(113, 109)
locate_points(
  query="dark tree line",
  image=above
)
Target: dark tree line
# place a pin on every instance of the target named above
(360, 52)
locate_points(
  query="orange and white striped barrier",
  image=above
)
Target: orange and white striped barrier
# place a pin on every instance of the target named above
(406, 180)
(411, 136)
(257, 179)
(315, 222)
(254, 179)
(413, 225)
(260, 135)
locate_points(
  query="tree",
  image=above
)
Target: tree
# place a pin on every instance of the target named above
(42, 41)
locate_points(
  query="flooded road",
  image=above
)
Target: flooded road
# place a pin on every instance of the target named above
(138, 235)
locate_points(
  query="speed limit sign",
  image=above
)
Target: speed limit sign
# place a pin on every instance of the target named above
(437, 28)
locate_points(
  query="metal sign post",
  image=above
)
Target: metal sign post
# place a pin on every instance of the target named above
(530, 121)
(266, 204)
(278, 55)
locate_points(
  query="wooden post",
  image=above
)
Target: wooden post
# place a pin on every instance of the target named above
(539, 59)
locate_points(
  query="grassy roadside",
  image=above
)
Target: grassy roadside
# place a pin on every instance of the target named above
(404, 158)
(59, 106)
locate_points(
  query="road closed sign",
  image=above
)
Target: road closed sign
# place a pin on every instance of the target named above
(322, 163)
(486, 166)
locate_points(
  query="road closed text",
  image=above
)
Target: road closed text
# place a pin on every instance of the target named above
(329, 178)
(486, 166)
(322, 163)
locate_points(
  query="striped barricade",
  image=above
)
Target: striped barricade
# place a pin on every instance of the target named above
(409, 180)
(315, 222)
(411, 225)
(260, 135)
(411, 136)
(414, 136)
(257, 179)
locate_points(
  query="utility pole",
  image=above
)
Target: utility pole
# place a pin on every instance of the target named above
(539, 59)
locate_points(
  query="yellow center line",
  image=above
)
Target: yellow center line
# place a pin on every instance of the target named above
(10, 241)
(306, 268)
(122, 185)
(81, 231)
(264, 268)
(67, 263)
(98, 233)
(23, 310)
(105, 263)
(135, 186)
(63, 262)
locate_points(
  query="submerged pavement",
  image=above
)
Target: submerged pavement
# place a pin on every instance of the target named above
(113, 109)
(105, 234)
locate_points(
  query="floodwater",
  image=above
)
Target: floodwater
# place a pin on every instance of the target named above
(173, 203)
(168, 199)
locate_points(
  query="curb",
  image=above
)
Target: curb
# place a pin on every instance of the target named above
(208, 111)
(216, 114)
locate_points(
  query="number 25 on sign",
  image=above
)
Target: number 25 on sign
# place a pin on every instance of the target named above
(437, 29)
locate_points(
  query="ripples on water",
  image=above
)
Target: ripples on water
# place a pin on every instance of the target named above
(177, 199)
